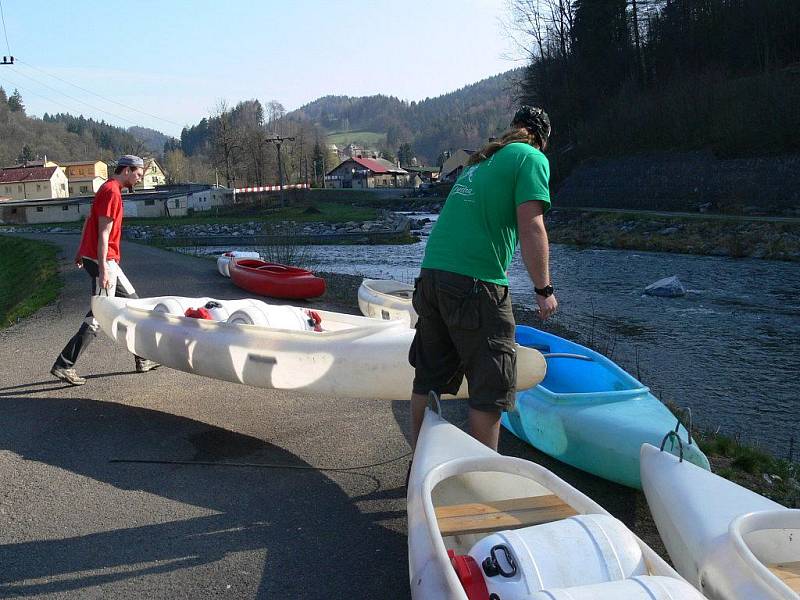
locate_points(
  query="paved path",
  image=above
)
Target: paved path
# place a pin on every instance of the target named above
(76, 524)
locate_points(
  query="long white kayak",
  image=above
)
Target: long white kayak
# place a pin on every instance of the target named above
(351, 356)
(729, 542)
(387, 299)
(480, 523)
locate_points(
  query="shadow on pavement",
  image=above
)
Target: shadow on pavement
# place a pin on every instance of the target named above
(312, 535)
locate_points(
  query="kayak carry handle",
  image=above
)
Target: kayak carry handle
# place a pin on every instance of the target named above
(568, 355)
(689, 428)
(674, 434)
(491, 566)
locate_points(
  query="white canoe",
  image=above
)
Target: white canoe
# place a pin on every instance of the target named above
(353, 356)
(224, 260)
(467, 499)
(729, 542)
(388, 300)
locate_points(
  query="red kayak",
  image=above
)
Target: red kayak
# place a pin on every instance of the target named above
(275, 280)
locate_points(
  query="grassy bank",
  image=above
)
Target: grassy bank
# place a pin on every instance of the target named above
(306, 212)
(29, 277)
(673, 233)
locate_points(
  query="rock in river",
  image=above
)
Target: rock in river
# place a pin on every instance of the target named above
(669, 287)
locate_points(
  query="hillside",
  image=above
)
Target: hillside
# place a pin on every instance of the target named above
(153, 140)
(461, 119)
(60, 137)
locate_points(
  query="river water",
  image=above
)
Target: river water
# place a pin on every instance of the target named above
(729, 349)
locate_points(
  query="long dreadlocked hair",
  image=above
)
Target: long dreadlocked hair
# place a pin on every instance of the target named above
(530, 125)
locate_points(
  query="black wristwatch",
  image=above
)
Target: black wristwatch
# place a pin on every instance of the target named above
(545, 292)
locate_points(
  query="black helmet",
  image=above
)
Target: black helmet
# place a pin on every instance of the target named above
(534, 119)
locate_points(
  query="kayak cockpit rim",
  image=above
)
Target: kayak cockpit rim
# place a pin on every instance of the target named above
(520, 468)
(589, 397)
(370, 326)
(764, 520)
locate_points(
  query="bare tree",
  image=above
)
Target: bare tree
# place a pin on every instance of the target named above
(225, 142)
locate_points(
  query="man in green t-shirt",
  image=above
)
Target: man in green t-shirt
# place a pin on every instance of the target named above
(465, 324)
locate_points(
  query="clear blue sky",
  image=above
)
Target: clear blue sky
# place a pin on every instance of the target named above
(176, 59)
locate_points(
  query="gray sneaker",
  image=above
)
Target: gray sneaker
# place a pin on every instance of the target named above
(144, 365)
(67, 374)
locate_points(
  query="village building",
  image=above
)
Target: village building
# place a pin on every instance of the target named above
(367, 173)
(85, 177)
(453, 166)
(153, 177)
(33, 182)
(173, 201)
(421, 174)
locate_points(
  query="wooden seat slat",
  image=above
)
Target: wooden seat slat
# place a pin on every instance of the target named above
(502, 514)
(789, 573)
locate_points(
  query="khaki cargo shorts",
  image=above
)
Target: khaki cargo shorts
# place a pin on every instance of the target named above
(465, 327)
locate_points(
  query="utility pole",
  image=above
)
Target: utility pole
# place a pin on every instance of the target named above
(278, 140)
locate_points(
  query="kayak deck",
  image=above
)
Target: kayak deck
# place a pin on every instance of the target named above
(477, 517)
(789, 573)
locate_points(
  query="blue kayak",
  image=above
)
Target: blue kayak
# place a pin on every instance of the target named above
(591, 414)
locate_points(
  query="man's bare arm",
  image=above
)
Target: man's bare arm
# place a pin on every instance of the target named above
(535, 249)
(104, 225)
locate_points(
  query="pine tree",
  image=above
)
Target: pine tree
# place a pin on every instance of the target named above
(405, 154)
(15, 102)
(26, 155)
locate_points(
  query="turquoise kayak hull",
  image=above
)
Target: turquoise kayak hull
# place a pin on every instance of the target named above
(591, 414)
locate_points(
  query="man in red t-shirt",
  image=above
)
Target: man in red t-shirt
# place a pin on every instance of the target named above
(99, 255)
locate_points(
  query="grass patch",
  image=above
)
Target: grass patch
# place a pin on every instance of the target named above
(360, 138)
(748, 466)
(29, 277)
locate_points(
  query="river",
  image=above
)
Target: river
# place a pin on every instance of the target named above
(729, 349)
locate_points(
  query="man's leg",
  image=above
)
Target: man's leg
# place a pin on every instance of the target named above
(64, 366)
(484, 426)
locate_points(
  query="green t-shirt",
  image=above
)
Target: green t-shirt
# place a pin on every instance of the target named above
(476, 233)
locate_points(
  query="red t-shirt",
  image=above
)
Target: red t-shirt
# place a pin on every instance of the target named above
(107, 203)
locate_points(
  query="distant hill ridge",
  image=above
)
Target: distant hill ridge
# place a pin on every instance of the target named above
(464, 118)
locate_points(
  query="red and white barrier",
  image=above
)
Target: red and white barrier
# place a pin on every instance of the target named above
(272, 188)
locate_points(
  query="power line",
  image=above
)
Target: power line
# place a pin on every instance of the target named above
(98, 95)
(73, 98)
(2, 16)
(56, 102)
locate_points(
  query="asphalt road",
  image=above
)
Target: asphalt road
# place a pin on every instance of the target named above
(74, 523)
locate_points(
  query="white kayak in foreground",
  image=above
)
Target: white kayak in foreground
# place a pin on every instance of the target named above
(729, 542)
(387, 299)
(480, 523)
(352, 356)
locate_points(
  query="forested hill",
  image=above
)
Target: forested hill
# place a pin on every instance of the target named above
(60, 137)
(63, 137)
(152, 139)
(461, 119)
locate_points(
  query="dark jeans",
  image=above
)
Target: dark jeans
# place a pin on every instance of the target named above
(121, 288)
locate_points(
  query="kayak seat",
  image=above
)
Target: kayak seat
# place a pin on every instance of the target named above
(500, 515)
